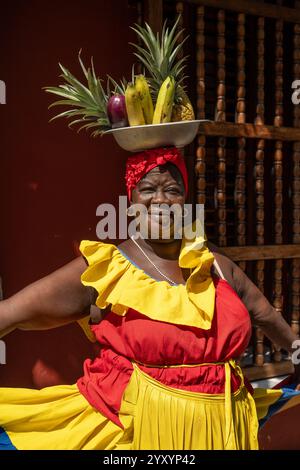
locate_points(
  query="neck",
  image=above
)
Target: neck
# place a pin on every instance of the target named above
(168, 249)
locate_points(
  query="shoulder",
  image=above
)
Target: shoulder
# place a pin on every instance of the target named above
(236, 277)
(227, 266)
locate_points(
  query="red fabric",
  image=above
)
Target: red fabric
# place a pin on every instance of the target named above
(137, 337)
(138, 165)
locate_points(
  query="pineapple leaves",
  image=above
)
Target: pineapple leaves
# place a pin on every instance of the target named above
(79, 87)
(82, 65)
(87, 101)
(158, 53)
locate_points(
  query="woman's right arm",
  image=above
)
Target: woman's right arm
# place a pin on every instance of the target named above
(54, 300)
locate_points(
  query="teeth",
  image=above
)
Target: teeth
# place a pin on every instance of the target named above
(160, 217)
(160, 220)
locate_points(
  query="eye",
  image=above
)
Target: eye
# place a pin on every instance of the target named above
(174, 190)
(146, 189)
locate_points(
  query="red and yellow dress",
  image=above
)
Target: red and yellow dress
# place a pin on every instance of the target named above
(166, 376)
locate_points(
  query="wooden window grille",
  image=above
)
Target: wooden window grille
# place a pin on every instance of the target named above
(245, 164)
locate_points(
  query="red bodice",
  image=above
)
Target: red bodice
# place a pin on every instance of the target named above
(150, 343)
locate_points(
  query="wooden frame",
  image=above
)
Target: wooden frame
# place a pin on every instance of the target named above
(265, 135)
(255, 252)
(251, 131)
(253, 7)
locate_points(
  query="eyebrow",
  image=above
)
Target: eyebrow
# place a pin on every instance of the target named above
(145, 180)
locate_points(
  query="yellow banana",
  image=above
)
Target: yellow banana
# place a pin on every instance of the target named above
(134, 106)
(165, 100)
(143, 90)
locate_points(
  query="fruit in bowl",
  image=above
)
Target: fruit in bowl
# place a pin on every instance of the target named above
(157, 98)
(117, 111)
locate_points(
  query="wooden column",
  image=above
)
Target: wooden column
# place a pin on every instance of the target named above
(259, 179)
(296, 193)
(278, 156)
(179, 10)
(200, 153)
(240, 117)
(220, 116)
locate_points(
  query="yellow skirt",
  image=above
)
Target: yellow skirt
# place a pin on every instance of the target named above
(154, 416)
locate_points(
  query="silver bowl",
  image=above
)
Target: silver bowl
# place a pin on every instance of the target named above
(139, 138)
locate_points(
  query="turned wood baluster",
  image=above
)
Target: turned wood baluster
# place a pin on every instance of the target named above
(240, 117)
(179, 10)
(200, 153)
(220, 116)
(259, 178)
(278, 121)
(296, 193)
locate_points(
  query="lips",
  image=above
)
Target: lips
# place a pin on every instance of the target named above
(163, 212)
(161, 217)
(156, 209)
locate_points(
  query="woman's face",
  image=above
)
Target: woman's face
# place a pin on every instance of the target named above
(161, 185)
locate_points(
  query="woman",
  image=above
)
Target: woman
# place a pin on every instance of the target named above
(175, 316)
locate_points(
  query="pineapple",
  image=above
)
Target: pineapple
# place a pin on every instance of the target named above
(158, 55)
(88, 103)
(182, 108)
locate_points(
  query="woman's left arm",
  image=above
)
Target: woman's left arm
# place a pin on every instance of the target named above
(264, 315)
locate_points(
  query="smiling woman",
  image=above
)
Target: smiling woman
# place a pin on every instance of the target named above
(157, 181)
(176, 317)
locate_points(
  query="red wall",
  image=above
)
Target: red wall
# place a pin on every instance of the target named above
(52, 179)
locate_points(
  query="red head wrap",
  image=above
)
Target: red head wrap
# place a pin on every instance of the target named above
(140, 164)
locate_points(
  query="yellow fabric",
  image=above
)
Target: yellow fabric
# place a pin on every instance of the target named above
(57, 418)
(174, 419)
(264, 398)
(123, 285)
(154, 416)
(84, 324)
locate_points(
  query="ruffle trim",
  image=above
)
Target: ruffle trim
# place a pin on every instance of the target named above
(124, 285)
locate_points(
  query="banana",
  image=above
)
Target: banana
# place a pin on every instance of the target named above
(142, 87)
(134, 106)
(165, 100)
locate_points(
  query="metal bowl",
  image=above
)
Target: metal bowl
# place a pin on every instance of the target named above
(139, 138)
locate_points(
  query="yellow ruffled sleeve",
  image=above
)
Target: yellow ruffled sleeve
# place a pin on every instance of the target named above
(123, 285)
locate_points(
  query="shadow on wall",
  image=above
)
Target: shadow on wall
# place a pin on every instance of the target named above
(43, 358)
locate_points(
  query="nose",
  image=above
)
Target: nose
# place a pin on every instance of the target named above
(159, 197)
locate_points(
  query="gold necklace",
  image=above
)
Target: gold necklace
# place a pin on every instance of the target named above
(150, 261)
